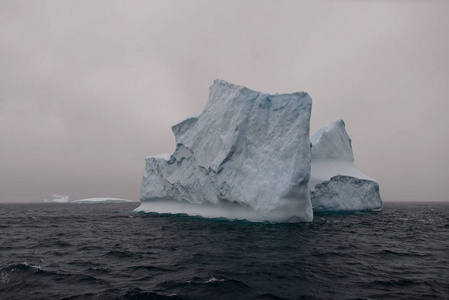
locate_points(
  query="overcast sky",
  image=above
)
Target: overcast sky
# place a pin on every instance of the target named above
(89, 88)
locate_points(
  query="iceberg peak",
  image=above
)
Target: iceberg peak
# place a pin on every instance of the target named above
(332, 142)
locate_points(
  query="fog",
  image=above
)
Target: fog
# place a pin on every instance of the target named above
(88, 89)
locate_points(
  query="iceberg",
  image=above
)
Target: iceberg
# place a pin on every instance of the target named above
(245, 156)
(248, 155)
(335, 182)
(102, 200)
(58, 199)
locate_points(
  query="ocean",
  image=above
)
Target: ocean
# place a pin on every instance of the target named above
(107, 251)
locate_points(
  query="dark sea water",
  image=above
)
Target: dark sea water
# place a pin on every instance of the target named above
(106, 251)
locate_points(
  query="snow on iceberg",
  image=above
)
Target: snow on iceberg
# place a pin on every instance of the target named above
(245, 156)
(102, 200)
(58, 199)
(335, 182)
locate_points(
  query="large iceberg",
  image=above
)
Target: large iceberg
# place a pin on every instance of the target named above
(335, 182)
(246, 155)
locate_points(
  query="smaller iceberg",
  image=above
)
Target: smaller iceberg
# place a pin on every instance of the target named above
(335, 182)
(102, 200)
(58, 199)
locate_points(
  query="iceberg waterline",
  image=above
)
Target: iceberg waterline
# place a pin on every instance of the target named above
(247, 155)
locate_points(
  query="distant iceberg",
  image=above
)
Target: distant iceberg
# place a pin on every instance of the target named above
(102, 200)
(58, 199)
(248, 155)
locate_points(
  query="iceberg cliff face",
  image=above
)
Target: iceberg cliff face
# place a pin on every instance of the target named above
(246, 155)
(335, 182)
